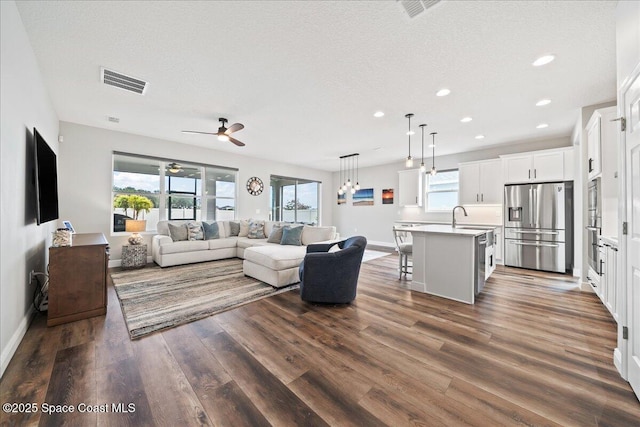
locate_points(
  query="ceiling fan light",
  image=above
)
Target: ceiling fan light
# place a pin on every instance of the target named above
(223, 137)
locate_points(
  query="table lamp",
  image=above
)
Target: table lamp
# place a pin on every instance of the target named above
(135, 226)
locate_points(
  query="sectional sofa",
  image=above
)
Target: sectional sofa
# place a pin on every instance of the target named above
(272, 263)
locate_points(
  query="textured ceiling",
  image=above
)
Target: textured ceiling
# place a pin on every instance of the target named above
(305, 77)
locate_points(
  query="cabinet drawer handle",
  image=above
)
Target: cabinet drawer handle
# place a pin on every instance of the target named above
(529, 173)
(535, 173)
(590, 165)
(477, 197)
(482, 197)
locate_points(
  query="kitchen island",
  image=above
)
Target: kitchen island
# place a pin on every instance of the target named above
(447, 262)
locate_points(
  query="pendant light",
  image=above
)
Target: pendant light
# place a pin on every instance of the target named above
(409, 162)
(433, 155)
(340, 190)
(357, 187)
(350, 162)
(423, 168)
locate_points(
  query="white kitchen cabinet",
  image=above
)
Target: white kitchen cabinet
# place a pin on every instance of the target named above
(410, 187)
(594, 145)
(480, 182)
(497, 245)
(608, 288)
(538, 166)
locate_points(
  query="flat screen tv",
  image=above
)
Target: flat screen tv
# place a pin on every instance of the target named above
(46, 177)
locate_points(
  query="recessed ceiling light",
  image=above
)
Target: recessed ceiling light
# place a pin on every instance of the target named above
(543, 60)
(443, 92)
(479, 136)
(466, 119)
(543, 102)
(542, 126)
(378, 114)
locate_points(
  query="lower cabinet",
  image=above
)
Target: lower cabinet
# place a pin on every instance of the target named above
(607, 289)
(497, 245)
(78, 279)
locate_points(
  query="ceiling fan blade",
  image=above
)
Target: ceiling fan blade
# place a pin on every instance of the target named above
(235, 141)
(195, 132)
(234, 128)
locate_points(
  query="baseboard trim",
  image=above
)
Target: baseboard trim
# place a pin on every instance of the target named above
(617, 361)
(16, 339)
(382, 246)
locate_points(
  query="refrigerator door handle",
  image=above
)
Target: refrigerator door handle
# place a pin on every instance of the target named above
(535, 232)
(546, 245)
(534, 202)
(530, 206)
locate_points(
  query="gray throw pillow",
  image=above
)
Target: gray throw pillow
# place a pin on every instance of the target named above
(211, 231)
(256, 230)
(178, 232)
(234, 228)
(291, 236)
(276, 234)
(195, 231)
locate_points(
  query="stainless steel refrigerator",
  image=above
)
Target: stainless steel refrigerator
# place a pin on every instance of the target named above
(538, 221)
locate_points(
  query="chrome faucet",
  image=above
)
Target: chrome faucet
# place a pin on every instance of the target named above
(453, 215)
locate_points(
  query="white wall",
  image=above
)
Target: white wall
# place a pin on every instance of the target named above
(376, 222)
(85, 177)
(24, 104)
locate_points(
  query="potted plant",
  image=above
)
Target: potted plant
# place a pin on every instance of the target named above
(139, 205)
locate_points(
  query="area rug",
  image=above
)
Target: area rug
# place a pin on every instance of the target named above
(157, 298)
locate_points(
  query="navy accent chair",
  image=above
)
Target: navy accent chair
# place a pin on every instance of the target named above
(332, 277)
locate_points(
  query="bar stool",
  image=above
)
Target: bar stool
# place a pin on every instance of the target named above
(404, 246)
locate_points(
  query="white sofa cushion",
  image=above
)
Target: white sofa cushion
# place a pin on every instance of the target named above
(317, 234)
(276, 257)
(184, 246)
(228, 242)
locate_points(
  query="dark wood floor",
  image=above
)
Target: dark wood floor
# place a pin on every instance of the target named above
(533, 351)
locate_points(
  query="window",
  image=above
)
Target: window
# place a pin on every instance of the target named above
(294, 200)
(170, 190)
(442, 190)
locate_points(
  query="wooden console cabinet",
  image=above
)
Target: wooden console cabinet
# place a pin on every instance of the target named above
(78, 279)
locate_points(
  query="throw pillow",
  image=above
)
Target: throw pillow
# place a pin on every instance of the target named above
(256, 230)
(276, 234)
(195, 231)
(244, 228)
(291, 236)
(211, 231)
(178, 232)
(234, 227)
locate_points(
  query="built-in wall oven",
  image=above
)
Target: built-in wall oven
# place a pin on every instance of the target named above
(594, 207)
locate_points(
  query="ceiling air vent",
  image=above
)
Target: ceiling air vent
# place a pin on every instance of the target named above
(122, 81)
(414, 8)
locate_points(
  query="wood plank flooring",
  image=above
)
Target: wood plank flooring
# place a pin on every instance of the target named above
(533, 350)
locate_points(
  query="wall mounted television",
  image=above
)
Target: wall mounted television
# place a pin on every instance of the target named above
(46, 179)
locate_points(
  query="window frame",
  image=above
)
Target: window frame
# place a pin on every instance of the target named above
(278, 211)
(164, 195)
(427, 192)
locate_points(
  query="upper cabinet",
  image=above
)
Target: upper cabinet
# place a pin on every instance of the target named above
(602, 150)
(594, 145)
(538, 166)
(410, 187)
(480, 182)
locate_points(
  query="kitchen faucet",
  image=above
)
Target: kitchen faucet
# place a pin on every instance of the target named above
(453, 215)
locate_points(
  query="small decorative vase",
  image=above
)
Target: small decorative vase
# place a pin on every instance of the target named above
(135, 239)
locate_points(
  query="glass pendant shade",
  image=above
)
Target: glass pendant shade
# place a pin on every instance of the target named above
(357, 186)
(344, 187)
(433, 170)
(353, 191)
(423, 168)
(340, 191)
(409, 162)
(348, 183)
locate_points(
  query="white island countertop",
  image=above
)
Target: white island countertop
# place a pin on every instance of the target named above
(462, 230)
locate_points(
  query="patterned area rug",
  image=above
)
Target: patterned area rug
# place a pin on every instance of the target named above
(157, 298)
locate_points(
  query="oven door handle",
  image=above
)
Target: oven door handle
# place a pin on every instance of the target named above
(592, 228)
(546, 245)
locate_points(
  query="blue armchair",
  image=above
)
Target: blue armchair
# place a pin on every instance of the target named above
(332, 277)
